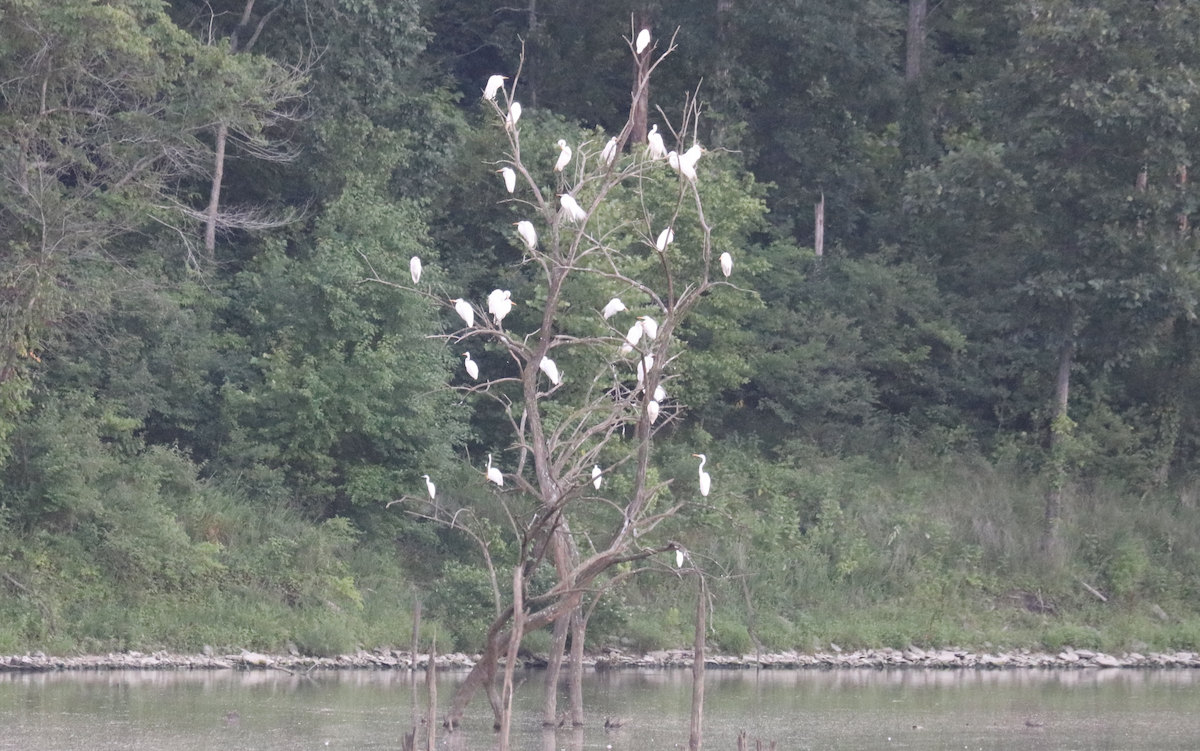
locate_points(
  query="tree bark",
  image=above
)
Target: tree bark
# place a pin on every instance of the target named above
(578, 634)
(1059, 432)
(914, 40)
(695, 737)
(514, 641)
(639, 116)
(553, 667)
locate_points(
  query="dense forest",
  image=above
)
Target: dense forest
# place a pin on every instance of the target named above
(947, 395)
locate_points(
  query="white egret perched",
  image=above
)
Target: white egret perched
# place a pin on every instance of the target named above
(726, 264)
(528, 233)
(643, 367)
(596, 476)
(564, 155)
(493, 85)
(652, 410)
(514, 113)
(705, 480)
(665, 238)
(635, 334)
(609, 153)
(660, 394)
(548, 367)
(657, 148)
(650, 326)
(464, 310)
(688, 159)
(614, 306)
(673, 160)
(574, 211)
(472, 367)
(430, 487)
(493, 473)
(510, 178)
(643, 41)
(500, 304)
(678, 559)
(414, 269)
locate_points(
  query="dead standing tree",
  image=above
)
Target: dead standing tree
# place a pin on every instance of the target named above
(581, 391)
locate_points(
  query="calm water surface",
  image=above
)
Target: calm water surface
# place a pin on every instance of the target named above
(841, 709)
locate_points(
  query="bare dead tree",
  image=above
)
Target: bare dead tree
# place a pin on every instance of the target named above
(579, 391)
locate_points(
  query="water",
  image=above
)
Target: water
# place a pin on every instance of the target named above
(1026, 710)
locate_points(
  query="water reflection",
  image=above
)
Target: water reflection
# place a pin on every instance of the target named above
(809, 709)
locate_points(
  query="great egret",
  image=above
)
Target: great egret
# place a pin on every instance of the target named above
(551, 370)
(596, 476)
(673, 160)
(660, 394)
(472, 367)
(665, 238)
(564, 156)
(528, 233)
(493, 85)
(652, 410)
(657, 149)
(688, 159)
(514, 113)
(678, 559)
(643, 367)
(635, 334)
(726, 264)
(643, 41)
(464, 310)
(609, 153)
(430, 487)
(574, 211)
(510, 178)
(493, 473)
(614, 306)
(414, 269)
(500, 304)
(650, 326)
(705, 480)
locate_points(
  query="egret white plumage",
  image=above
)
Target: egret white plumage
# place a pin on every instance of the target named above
(688, 159)
(414, 269)
(635, 334)
(660, 394)
(614, 306)
(430, 487)
(493, 85)
(643, 367)
(564, 155)
(643, 41)
(472, 366)
(673, 160)
(493, 473)
(726, 264)
(510, 178)
(548, 367)
(500, 304)
(464, 310)
(657, 148)
(678, 559)
(574, 211)
(609, 152)
(596, 476)
(665, 238)
(705, 480)
(652, 410)
(650, 326)
(528, 233)
(514, 113)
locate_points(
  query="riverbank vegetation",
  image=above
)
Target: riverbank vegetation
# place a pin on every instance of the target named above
(962, 417)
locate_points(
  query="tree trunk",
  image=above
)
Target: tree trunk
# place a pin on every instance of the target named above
(431, 683)
(578, 634)
(550, 691)
(695, 737)
(510, 663)
(1060, 430)
(639, 116)
(914, 40)
(214, 196)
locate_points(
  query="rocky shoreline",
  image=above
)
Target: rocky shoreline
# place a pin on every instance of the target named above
(389, 659)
